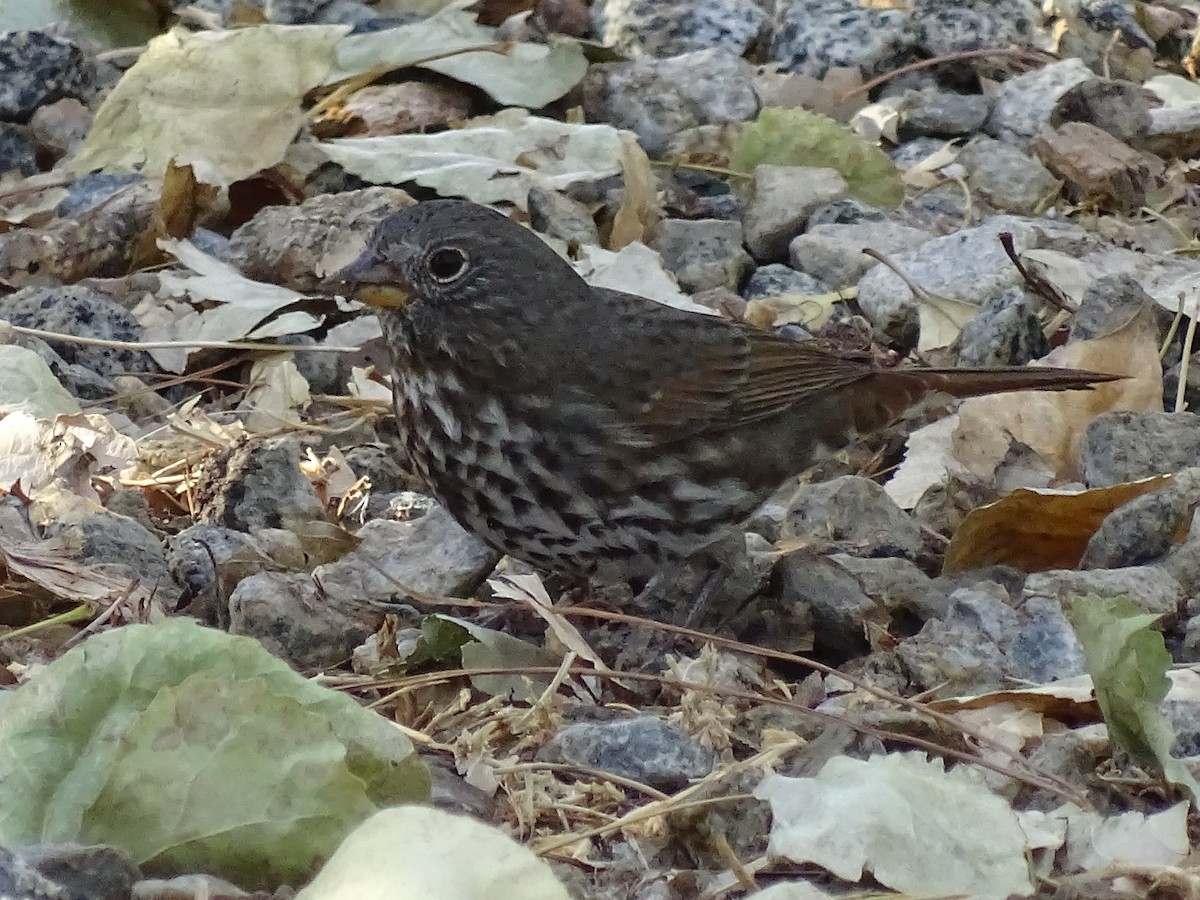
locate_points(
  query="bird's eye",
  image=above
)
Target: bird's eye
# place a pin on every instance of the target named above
(446, 264)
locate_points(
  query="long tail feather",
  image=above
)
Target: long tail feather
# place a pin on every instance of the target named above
(976, 382)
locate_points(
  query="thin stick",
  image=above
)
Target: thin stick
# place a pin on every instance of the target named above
(1183, 364)
(177, 345)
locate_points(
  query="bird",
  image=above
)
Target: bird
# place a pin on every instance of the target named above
(596, 434)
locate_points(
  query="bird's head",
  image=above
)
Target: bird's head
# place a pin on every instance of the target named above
(450, 255)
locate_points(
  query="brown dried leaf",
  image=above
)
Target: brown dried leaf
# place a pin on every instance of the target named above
(1035, 531)
(639, 211)
(183, 201)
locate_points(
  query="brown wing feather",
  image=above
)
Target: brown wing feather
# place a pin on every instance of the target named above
(753, 377)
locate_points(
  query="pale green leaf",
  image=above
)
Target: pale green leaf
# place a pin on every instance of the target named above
(797, 137)
(226, 102)
(1128, 662)
(914, 826)
(195, 750)
(491, 159)
(526, 74)
(27, 385)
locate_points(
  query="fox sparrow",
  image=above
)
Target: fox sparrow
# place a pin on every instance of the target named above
(591, 432)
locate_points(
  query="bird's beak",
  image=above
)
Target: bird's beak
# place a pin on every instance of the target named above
(374, 281)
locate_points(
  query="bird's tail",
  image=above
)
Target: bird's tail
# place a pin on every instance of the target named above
(976, 382)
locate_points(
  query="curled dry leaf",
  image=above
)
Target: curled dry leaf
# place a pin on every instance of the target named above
(524, 74)
(244, 308)
(35, 453)
(639, 211)
(1035, 531)
(184, 199)
(276, 395)
(490, 159)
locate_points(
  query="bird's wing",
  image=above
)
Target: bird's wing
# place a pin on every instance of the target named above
(711, 374)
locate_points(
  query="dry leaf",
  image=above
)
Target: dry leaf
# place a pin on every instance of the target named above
(1035, 531)
(639, 211)
(183, 201)
(276, 395)
(228, 102)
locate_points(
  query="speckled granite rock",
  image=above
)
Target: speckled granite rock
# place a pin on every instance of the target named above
(666, 28)
(38, 68)
(658, 98)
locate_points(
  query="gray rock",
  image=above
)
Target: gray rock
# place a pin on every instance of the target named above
(326, 373)
(848, 211)
(16, 151)
(1183, 714)
(658, 98)
(1045, 647)
(121, 545)
(944, 208)
(192, 553)
(352, 12)
(1005, 332)
(982, 640)
(1191, 390)
(1174, 131)
(702, 253)
(37, 68)
(966, 650)
(1108, 304)
(970, 265)
(671, 27)
(95, 872)
(943, 27)
(79, 381)
(1183, 562)
(296, 620)
(1126, 446)
(814, 36)
(897, 584)
(259, 485)
(300, 246)
(1144, 528)
(839, 607)
(82, 312)
(1121, 108)
(781, 200)
(1107, 16)
(834, 253)
(21, 881)
(775, 280)
(557, 215)
(1151, 588)
(643, 748)
(1023, 105)
(381, 464)
(431, 554)
(1006, 177)
(914, 151)
(854, 515)
(938, 113)
(91, 190)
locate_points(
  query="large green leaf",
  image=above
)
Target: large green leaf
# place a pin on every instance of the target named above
(195, 750)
